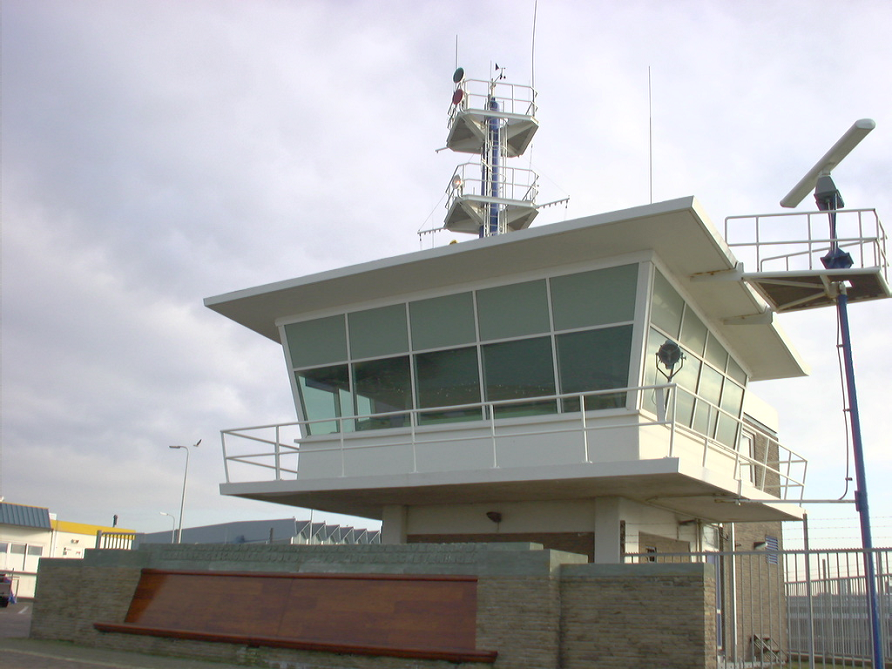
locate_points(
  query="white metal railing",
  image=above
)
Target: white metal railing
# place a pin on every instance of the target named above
(796, 241)
(514, 183)
(275, 448)
(513, 99)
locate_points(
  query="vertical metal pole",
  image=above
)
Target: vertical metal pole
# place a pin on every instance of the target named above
(183, 498)
(861, 479)
(810, 622)
(494, 173)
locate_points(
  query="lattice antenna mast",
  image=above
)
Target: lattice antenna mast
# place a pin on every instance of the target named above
(495, 120)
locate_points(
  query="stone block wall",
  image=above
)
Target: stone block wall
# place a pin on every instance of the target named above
(537, 608)
(638, 615)
(71, 596)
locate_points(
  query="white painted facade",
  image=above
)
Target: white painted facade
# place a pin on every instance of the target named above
(379, 434)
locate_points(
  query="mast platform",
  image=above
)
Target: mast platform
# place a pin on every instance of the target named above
(787, 257)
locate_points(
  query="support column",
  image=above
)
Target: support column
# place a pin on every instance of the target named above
(608, 531)
(393, 526)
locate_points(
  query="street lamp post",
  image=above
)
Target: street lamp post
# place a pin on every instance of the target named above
(183, 498)
(173, 526)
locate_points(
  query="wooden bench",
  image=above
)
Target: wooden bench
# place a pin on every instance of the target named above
(423, 617)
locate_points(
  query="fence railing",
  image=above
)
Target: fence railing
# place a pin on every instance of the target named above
(510, 98)
(784, 607)
(796, 241)
(115, 540)
(273, 450)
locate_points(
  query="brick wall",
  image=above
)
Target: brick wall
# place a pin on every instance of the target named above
(580, 543)
(520, 618)
(638, 615)
(537, 608)
(71, 596)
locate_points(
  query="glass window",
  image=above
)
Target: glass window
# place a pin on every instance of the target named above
(513, 311)
(716, 354)
(35, 550)
(448, 378)
(693, 332)
(687, 378)
(325, 393)
(666, 307)
(317, 342)
(735, 371)
(382, 386)
(442, 321)
(732, 402)
(705, 415)
(732, 398)
(518, 369)
(377, 332)
(594, 360)
(594, 298)
(710, 385)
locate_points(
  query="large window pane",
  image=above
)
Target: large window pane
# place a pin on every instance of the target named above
(325, 393)
(594, 360)
(442, 321)
(706, 415)
(732, 398)
(735, 371)
(600, 297)
(513, 311)
(693, 332)
(518, 369)
(448, 378)
(716, 353)
(377, 332)
(317, 342)
(382, 386)
(666, 307)
(686, 377)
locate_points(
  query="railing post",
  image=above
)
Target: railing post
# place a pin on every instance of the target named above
(278, 454)
(673, 399)
(412, 424)
(660, 400)
(225, 457)
(341, 441)
(584, 427)
(492, 432)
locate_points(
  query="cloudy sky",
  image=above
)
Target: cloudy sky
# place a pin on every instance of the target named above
(156, 152)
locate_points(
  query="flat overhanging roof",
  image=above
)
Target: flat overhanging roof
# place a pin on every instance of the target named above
(677, 231)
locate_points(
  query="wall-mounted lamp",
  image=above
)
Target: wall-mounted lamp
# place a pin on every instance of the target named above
(669, 355)
(494, 516)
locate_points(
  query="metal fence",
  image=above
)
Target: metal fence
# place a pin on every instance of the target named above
(792, 607)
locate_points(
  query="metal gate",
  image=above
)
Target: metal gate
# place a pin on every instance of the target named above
(792, 607)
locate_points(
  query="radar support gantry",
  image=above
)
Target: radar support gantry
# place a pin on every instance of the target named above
(495, 120)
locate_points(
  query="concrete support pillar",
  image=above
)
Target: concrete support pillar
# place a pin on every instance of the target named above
(393, 525)
(608, 541)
